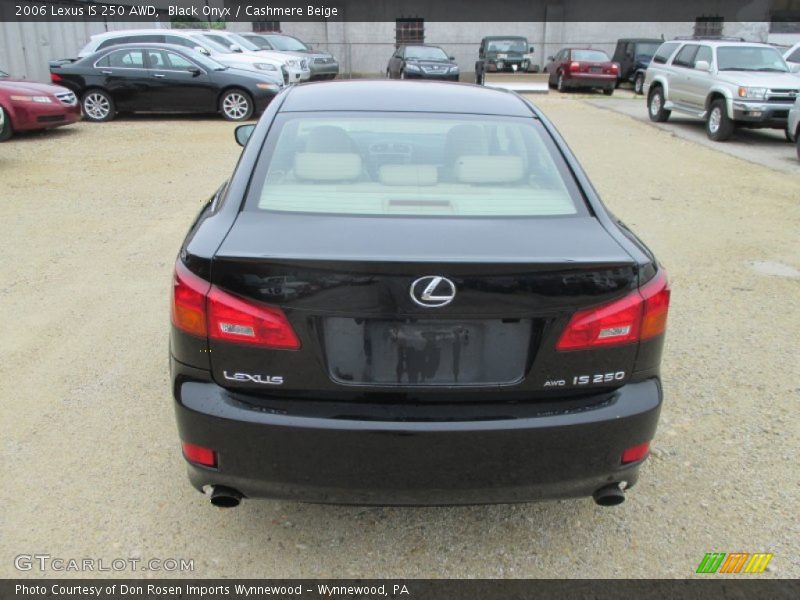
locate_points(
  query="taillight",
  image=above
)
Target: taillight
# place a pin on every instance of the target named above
(574, 66)
(235, 320)
(189, 301)
(638, 316)
(614, 68)
(199, 455)
(205, 310)
(55, 77)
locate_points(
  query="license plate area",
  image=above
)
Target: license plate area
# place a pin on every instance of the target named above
(426, 352)
(595, 69)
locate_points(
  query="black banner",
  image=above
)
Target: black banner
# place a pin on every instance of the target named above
(222, 589)
(389, 10)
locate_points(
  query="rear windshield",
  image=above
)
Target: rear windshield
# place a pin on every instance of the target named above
(590, 55)
(412, 164)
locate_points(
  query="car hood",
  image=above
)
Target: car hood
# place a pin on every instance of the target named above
(30, 87)
(760, 79)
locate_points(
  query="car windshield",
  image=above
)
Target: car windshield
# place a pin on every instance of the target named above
(258, 41)
(518, 45)
(647, 50)
(210, 44)
(245, 43)
(590, 55)
(207, 63)
(750, 58)
(425, 53)
(412, 164)
(284, 42)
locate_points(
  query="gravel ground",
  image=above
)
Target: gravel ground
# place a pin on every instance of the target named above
(92, 217)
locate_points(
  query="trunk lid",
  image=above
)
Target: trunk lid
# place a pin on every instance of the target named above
(347, 286)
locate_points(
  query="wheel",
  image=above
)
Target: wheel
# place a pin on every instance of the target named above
(718, 126)
(236, 105)
(6, 130)
(98, 106)
(638, 85)
(560, 83)
(608, 91)
(798, 146)
(655, 106)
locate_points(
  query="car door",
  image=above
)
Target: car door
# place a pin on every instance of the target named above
(179, 84)
(682, 66)
(699, 81)
(124, 76)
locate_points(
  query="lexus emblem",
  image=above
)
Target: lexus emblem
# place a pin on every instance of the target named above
(433, 291)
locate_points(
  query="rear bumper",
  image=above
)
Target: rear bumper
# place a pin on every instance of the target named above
(591, 80)
(318, 457)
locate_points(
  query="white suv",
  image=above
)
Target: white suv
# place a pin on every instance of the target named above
(727, 83)
(271, 68)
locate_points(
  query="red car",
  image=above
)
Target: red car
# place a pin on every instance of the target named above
(584, 68)
(28, 105)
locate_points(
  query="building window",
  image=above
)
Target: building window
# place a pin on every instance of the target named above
(708, 26)
(267, 26)
(409, 31)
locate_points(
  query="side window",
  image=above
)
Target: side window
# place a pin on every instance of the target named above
(156, 60)
(794, 56)
(178, 63)
(116, 41)
(219, 39)
(103, 62)
(685, 56)
(127, 59)
(703, 53)
(664, 52)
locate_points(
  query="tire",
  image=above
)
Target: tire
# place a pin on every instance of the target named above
(608, 91)
(388, 75)
(788, 134)
(638, 85)
(479, 78)
(236, 105)
(402, 74)
(798, 147)
(718, 126)
(6, 130)
(560, 85)
(655, 106)
(98, 106)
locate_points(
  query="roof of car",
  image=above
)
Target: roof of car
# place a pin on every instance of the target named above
(505, 37)
(648, 40)
(716, 43)
(152, 45)
(151, 31)
(404, 96)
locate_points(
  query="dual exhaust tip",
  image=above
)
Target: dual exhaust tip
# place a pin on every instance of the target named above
(225, 497)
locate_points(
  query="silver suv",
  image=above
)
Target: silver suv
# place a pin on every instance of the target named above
(727, 83)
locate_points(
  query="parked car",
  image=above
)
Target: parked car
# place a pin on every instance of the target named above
(502, 53)
(340, 332)
(191, 40)
(582, 68)
(297, 67)
(792, 58)
(633, 55)
(727, 83)
(28, 106)
(162, 78)
(323, 64)
(793, 126)
(421, 62)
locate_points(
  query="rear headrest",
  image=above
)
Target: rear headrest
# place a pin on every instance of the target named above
(488, 169)
(465, 140)
(408, 175)
(323, 166)
(330, 139)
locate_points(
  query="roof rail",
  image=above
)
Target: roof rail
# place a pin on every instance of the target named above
(721, 38)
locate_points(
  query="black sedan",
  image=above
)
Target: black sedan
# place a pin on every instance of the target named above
(162, 78)
(410, 293)
(421, 62)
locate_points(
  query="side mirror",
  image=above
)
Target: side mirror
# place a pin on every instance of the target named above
(202, 51)
(530, 49)
(794, 67)
(243, 133)
(235, 48)
(702, 65)
(195, 71)
(451, 57)
(550, 58)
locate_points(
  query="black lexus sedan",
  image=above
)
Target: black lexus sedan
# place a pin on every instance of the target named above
(162, 78)
(410, 293)
(422, 62)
